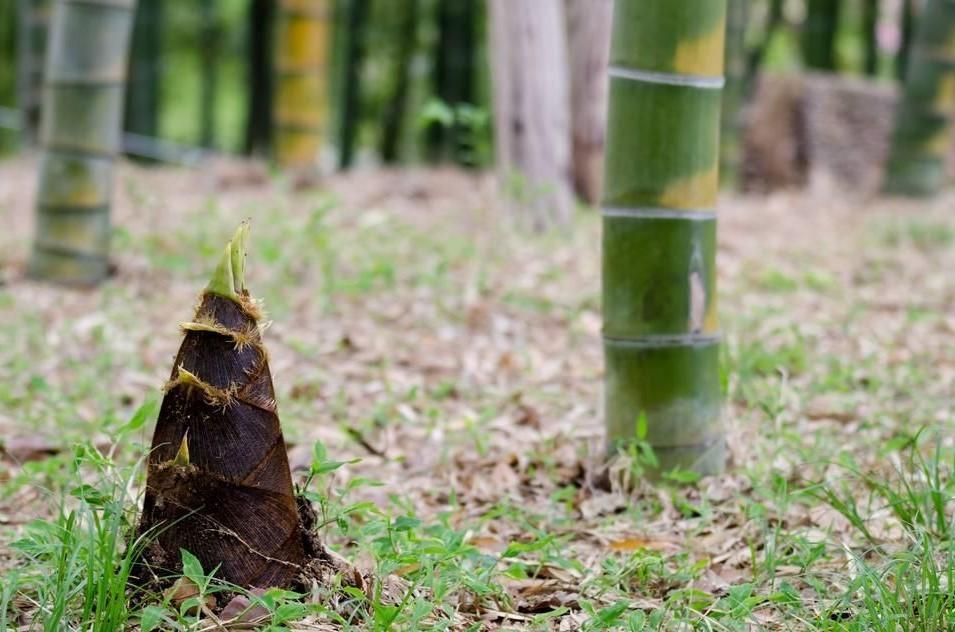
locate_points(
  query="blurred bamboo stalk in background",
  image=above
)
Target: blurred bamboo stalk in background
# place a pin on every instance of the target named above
(144, 80)
(80, 135)
(531, 96)
(454, 76)
(905, 46)
(395, 115)
(33, 17)
(209, 44)
(819, 34)
(354, 23)
(870, 36)
(588, 41)
(258, 123)
(734, 96)
(661, 336)
(923, 119)
(301, 80)
(9, 116)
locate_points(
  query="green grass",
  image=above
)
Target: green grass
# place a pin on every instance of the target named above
(463, 352)
(76, 564)
(925, 235)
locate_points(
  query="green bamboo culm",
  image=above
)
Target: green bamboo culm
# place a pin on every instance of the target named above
(33, 25)
(907, 27)
(301, 80)
(661, 339)
(80, 135)
(144, 77)
(734, 92)
(923, 118)
(819, 34)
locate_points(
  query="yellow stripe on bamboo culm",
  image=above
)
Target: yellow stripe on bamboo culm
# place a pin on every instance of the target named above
(315, 8)
(938, 144)
(711, 323)
(306, 45)
(696, 191)
(701, 56)
(944, 100)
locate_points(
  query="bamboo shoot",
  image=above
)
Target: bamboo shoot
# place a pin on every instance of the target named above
(218, 483)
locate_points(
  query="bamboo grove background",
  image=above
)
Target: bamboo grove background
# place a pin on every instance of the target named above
(205, 78)
(407, 80)
(340, 83)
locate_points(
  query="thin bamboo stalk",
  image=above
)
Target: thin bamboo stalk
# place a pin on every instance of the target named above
(218, 482)
(588, 32)
(907, 27)
(923, 120)
(301, 84)
(354, 22)
(531, 101)
(144, 81)
(210, 33)
(455, 65)
(734, 93)
(819, 34)
(775, 19)
(870, 36)
(10, 118)
(661, 338)
(258, 123)
(33, 17)
(80, 134)
(394, 117)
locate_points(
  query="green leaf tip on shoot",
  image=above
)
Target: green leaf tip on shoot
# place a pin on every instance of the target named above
(228, 280)
(182, 456)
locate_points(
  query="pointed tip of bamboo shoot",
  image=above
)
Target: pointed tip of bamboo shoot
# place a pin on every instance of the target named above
(182, 456)
(228, 280)
(238, 247)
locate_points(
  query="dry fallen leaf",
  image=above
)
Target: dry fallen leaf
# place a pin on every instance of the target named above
(185, 589)
(242, 614)
(601, 504)
(826, 517)
(487, 543)
(637, 543)
(407, 569)
(29, 448)
(21, 449)
(829, 407)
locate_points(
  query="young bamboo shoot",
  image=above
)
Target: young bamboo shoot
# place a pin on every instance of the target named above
(218, 481)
